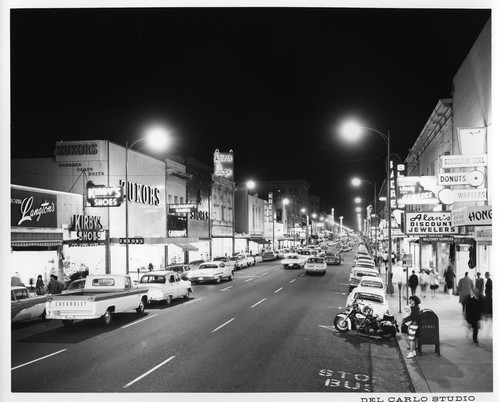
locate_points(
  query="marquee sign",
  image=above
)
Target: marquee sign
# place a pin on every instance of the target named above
(429, 223)
(474, 178)
(88, 228)
(418, 190)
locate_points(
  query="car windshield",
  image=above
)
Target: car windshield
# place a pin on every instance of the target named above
(293, 257)
(176, 268)
(220, 259)
(369, 297)
(153, 279)
(315, 260)
(208, 266)
(372, 284)
(76, 285)
(364, 273)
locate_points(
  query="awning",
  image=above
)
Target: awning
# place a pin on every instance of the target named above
(259, 240)
(36, 239)
(186, 246)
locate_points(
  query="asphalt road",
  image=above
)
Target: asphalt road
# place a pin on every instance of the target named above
(268, 330)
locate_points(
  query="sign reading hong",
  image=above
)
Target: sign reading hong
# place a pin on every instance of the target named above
(429, 223)
(33, 209)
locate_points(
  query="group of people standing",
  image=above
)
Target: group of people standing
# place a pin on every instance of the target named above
(54, 286)
(474, 296)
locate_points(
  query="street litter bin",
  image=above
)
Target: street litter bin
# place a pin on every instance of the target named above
(428, 330)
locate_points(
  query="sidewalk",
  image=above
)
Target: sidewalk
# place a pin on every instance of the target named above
(462, 366)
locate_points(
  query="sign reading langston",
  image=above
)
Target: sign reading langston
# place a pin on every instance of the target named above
(33, 209)
(429, 223)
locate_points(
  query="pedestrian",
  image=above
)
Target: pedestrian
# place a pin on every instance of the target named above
(40, 286)
(412, 322)
(479, 284)
(423, 280)
(55, 286)
(150, 267)
(434, 282)
(464, 288)
(473, 310)
(449, 277)
(413, 282)
(488, 294)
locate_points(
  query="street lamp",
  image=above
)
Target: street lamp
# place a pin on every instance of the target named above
(352, 131)
(356, 181)
(157, 139)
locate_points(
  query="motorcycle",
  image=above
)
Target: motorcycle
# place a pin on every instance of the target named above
(363, 321)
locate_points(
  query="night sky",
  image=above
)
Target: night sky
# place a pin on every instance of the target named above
(272, 84)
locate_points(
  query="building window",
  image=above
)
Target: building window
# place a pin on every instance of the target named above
(176, 199)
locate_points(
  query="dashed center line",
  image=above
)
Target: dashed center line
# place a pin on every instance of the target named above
(251, 279)
(257, 303)
(148, 372)
(223, 290)
(191, 301)
(41, 358)
(277, 290)
(138, 321)
(293, 280)
(265, 273)
(223, 325)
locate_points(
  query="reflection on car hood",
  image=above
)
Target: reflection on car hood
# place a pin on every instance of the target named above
(203, 272)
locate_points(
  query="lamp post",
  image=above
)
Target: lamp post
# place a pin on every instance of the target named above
(158, 140)
(356, 181)
(352, 130)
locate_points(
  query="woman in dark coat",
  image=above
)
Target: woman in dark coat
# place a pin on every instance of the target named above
(412, 322)
(449, 277)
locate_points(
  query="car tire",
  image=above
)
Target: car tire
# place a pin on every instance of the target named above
(168, 300)
(217, 280)
(230, 277)
(188, 294)
(107, 317)
(141, 307)
(67, 323)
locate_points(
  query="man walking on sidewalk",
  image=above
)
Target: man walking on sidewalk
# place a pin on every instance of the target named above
(473, 310)
(464, 288)
(413, 282)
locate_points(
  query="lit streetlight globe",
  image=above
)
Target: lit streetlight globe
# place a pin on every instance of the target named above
(157, 138)
(351, 131)
(356, 181)
(250, 184)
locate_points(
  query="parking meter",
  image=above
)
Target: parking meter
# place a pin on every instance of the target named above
(400, 285)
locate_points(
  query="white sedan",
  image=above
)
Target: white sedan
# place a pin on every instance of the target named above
(315, 265)
(371, 298)
(165, 287)
(293, 260)
(211, 271)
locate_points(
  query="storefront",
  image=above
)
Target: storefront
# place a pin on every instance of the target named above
(40, 220)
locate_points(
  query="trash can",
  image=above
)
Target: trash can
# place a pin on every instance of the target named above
(428, 330)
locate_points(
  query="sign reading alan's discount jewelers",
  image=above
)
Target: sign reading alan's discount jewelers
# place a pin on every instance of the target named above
(429, 223)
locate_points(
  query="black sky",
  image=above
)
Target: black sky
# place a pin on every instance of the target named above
(269, 83)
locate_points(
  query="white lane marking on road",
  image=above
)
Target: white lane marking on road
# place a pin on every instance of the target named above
(340, 293)
(40, 358)
(192, 301)
(278, 269)
(293, 280)
(251, 279)
(265, 273)
(148, 372)
(326, 327)
(138, 321)
(257, 303)
(223, 290)
(277, 290)
(337, 307)
(227, 322)
(302, 274)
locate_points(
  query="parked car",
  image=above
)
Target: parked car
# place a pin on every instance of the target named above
(315, 265)
(270, 255)
(226, 260)
(195, 264)
(357, 273)
(282, 252)
(165, 287)
(24, 307)
(375, 299)
(371, 282)
(211, 271)
(293, 260)
(334, 258)
(250, 258)
(240, 262)
(345, 247)
(181, 269)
